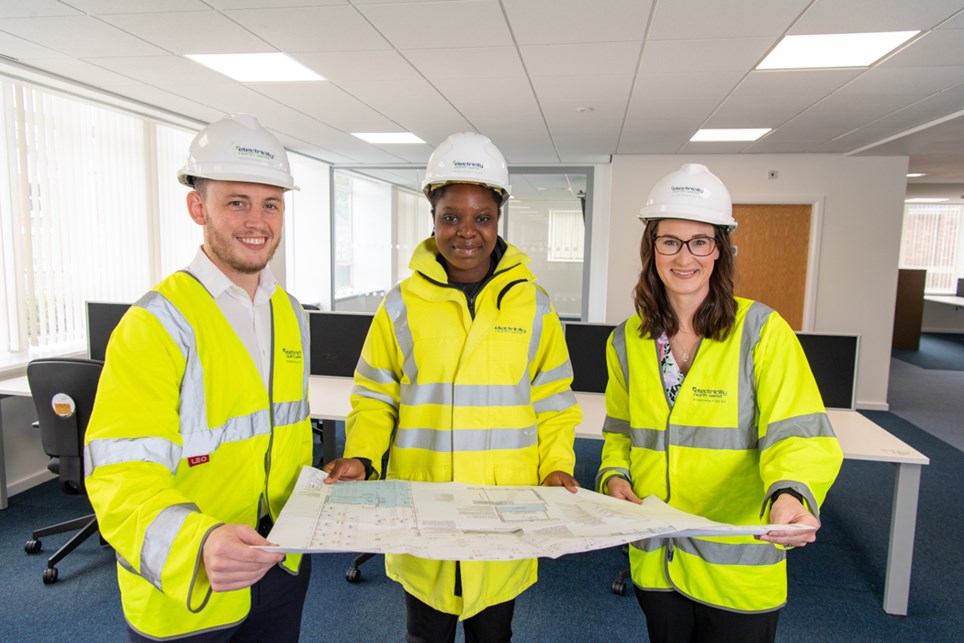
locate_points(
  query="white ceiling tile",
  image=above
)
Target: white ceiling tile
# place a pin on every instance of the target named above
(860, 16)
(415, 105)
(540, 22)
(35, 8)
(417, 26)
(722, 147)
(467, 62)
(105, 7)
(19, 49)
(193, 32)
(736, 54)
(338, 28)
(80, 36)
(692, 19)
(587, 90)
(957, 22)
(911, 82)
(582, 59)
(268, 4)
(83, 72)
(163, 71)
(767, 146)
(704, 87)
(521, 140)
(338, 66)
(650, 140)
(328, 104)
(514, 96)
(169, 101)
(942, 47)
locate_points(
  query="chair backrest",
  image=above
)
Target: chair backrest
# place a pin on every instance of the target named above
(63, 392)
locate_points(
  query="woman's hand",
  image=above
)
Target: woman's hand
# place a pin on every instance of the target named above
(561, 479)
(344, 469)
(787, 510)
(619, 487)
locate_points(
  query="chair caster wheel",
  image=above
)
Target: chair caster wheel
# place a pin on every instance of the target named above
(619, 588)
(353, 575)
(50, 575)
(32, 546)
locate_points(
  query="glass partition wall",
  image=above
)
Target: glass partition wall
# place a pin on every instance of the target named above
(379, 216)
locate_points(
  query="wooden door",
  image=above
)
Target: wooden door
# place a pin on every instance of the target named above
(772, 247)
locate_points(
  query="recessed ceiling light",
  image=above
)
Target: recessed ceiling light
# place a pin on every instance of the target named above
(926, 199)
(914, 175)
(257, 68)
(834, 50)
(388, 138)
(729, 134)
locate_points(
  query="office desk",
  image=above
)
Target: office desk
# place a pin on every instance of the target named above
(860, 439)
(950, 300)
(11, 387)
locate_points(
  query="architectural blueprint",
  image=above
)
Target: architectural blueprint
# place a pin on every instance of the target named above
(456, 521)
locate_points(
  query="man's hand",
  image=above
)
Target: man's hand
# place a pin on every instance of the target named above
(230, 562)
(561, 479)
(787, 510)
(344, 469)
(619, 487)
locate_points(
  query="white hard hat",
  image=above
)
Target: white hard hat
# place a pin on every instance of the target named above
(237, 148)
(467, 157)
(693, 193)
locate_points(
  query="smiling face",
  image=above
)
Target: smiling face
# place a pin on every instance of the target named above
(242, 226)
(683, 274)
(466, 230)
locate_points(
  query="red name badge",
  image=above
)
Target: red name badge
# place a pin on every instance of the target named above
(198, 459)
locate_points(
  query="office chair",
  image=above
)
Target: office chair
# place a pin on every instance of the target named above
(63, 392)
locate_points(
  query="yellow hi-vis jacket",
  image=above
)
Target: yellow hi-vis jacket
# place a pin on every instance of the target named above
(184, 437)
(748, 421)
(480, 401)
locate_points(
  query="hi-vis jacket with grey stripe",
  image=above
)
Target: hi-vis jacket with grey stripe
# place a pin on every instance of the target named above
(747, 422)
(483, 400)
(183, 438)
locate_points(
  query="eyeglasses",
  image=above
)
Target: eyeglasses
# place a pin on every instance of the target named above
(698, 246)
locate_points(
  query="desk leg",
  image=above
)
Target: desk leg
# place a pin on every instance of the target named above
(903, 522)
(3, 466)
(328, 440)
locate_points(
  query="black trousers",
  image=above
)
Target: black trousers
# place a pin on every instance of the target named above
(674, 618)
(428, 625)
(276, 604)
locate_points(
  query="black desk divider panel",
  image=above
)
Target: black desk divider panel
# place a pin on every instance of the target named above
(101, 319)
(833, 360)
(832, 357)
(336, 341)
(587, 353)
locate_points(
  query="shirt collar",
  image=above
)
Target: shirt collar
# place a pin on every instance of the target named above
(217, 283)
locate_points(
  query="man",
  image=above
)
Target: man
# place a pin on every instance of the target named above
(201, 426)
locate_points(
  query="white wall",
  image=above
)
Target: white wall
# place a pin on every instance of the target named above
(859, 205)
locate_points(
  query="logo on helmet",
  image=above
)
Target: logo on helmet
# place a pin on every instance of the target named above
(254, 152)
(686, 190)
(468, 165)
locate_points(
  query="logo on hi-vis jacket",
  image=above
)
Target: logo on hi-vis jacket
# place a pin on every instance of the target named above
(511, 330)
(293, 356)
(710, 395)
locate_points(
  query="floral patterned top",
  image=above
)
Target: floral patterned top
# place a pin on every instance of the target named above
(672, 376)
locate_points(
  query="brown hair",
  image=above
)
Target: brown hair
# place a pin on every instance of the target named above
(715, 316)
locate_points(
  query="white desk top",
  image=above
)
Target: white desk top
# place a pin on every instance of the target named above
(860, 438)
(945, 299)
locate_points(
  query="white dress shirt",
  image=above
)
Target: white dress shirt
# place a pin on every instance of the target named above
(251, 320)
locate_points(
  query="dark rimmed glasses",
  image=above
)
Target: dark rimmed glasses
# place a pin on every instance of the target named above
(698, 246)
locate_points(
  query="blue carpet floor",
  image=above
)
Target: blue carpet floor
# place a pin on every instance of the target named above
(938, 351)
(836, 584)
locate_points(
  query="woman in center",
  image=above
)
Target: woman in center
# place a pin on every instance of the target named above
(464, 376)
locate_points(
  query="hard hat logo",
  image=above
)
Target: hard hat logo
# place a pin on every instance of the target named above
(684, 190)
(468, 165)
(237, 148)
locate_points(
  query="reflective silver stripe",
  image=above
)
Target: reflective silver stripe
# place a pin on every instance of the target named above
(377, 375)
(463, 394)
(466, 439)
(619, 344)
(619, 471)
(701, 437)
(103, 452)
(614, 425)
(756, 317)
(543, 308)
(159, 538)
(192, 412)
(812, 425)
(361, 391)
(652, 439)
(290, 412)
(800, 488)
(395, 307)
(717, 553)
(558, 402)
(236, 429)
(561, 372)
(302, 318)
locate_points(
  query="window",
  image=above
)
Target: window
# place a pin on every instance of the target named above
(307, 233)
(933, 239)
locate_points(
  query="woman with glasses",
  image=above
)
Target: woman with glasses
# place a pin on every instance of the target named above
(711, 406)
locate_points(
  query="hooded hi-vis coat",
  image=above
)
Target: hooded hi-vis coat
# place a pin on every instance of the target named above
(483, 400)
(184, 437)
(747, 422)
